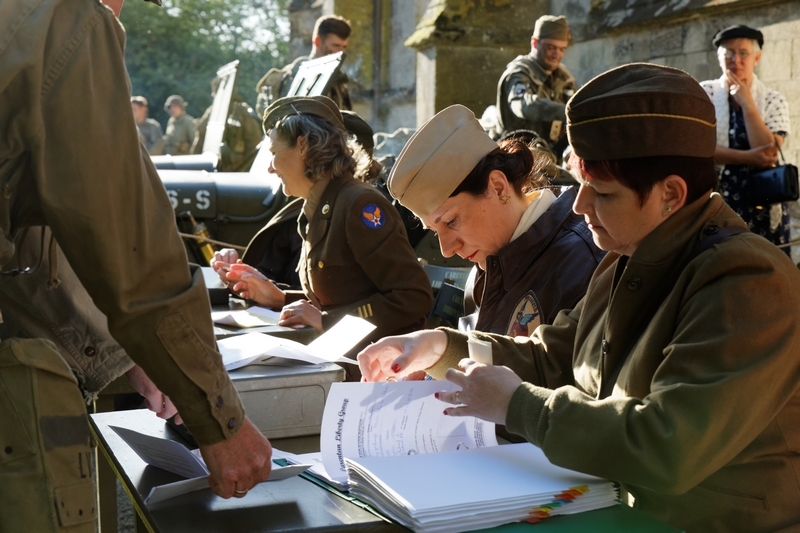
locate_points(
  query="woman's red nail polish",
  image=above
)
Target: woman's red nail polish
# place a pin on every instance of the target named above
(395, 368)
(436, 395)
(445, 412)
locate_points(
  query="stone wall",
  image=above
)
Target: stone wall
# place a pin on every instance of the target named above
(678, 33)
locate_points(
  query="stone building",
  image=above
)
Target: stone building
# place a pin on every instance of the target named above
(411, 58)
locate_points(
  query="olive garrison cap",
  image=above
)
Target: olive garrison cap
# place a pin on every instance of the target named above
(437, 158)
(319, 106)
(550, 27)
(641, 110)
(739, 31)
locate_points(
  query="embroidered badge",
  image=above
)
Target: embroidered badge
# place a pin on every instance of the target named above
(526, 317)
(372, 217)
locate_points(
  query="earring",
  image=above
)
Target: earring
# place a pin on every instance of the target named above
(504, 199)
(668, 209)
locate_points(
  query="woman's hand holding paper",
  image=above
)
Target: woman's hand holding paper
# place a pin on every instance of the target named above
(397, 357)
(485, 391)
(251, 284)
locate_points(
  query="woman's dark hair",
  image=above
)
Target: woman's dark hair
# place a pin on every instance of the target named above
(642, 173)
(514, 159)
(330, 152)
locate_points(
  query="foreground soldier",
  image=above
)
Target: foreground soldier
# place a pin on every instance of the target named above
(81, 172)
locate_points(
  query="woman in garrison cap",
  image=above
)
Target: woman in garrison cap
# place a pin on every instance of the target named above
(677, 375)
(533, 256)
(752, 123)
(356, 258)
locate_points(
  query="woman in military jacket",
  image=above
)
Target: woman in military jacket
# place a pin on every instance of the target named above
(356, 258)
(677, 375)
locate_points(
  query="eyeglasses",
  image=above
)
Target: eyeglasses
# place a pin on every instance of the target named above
(730, 54)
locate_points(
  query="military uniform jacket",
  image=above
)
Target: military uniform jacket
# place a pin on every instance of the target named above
(530, 98)
(275, 249)
(179, 136)
(701, 422)
(82, 172)
(357, 260)
(151, 132)
(544, 270)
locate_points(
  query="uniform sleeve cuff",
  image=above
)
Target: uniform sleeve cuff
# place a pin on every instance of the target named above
(527, 412)
(227, 412)
(456, 351)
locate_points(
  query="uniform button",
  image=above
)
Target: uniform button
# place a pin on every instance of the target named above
(90, 351)
(633, 283)
(605, 346)
(220, 402)
(231, 423)
(321, 264)
(326, 209)
(711, 229)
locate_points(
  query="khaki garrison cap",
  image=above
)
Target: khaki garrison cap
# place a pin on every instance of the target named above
(641, 110)
(437, 158)
(319, 106)
(550, 27)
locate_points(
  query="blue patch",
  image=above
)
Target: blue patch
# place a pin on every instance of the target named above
(372, 216)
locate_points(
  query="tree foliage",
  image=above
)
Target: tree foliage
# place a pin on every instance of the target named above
(177, 49)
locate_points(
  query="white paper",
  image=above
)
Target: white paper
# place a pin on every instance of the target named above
(330, 347)
(171, 490)
(165, 454)
(393, 418)
(251, 317)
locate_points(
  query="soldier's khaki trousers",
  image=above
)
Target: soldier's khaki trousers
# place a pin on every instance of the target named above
(46, 481)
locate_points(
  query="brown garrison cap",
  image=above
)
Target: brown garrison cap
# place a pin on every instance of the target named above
(437, 158)
(641, 110)
(550, 27)
(319, 106)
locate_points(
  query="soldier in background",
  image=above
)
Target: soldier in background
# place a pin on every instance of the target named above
(534, 88)
(180, 129)
(331, 35)
(150, 131)
(241, 137)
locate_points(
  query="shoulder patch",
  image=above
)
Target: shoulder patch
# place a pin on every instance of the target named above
(372, 216)
(526, 316)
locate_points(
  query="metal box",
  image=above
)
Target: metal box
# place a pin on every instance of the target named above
(286, 400)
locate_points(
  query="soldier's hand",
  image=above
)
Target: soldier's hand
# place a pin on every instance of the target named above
(238, 464)
(394, 358)
(154, 399)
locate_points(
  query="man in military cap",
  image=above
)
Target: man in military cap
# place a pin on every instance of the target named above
(84, 176)
(180, 128)
(149, 129)
(331, 35)
(534, 88)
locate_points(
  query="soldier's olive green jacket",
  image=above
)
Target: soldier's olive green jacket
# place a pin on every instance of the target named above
(530, 98)
(357, 260)
(80, 170)
(179, 136)
(701, 423)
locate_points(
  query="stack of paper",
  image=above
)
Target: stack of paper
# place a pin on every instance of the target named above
(330, 347)
(473, 489)
(252, 317)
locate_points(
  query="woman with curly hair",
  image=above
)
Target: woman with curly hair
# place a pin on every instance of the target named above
(356, 258)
